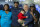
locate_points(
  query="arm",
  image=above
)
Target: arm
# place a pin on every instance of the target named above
(19, 15)
(30, 19)
(23, 16)
(0, 16)
(35, 17)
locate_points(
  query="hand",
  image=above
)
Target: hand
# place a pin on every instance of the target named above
(26, 16)
(35, 20)
(31, 13)
(0, 16)
(23, 24)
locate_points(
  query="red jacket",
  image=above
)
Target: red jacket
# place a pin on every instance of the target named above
(21, 16)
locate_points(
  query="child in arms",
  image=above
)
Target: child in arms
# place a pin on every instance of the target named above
(21, 17)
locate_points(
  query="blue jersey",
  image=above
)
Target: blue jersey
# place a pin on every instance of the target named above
(6, 19)
(0, 15)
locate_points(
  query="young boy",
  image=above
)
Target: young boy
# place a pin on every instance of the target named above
(21, 17)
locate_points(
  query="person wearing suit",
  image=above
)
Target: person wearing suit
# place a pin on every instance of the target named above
(29, 20)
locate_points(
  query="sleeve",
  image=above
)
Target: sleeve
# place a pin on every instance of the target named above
(1, 12)
(30, 19)
(0, 15)
(23, 16)
(19, 15)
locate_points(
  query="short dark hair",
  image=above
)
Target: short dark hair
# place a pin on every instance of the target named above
(26, 4)
(16, 2)
(7, 5)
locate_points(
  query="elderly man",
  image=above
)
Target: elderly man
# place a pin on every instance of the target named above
(29, 20)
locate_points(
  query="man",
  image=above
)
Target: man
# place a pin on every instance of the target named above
(29, 20)
(15, 10)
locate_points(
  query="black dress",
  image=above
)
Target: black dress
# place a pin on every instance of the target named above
(36, 14)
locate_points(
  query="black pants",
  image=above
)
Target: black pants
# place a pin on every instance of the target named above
(36, 25)
(39, 24)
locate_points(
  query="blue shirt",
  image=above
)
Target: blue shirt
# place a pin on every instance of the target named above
(0, 15)
(6, 18)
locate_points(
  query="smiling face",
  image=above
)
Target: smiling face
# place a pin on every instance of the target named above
(32, 8)
(6, 7)
(25, 7)
(16, 4)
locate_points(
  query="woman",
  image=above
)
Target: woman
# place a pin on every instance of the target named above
(35, 15)
(6, 17)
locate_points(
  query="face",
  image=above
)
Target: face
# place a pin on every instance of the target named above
(16, 5)
(5, 7)
(25, 7)
(32, 8)
(22, 12)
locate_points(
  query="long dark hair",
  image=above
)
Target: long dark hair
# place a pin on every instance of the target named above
(34, 10)
(36, 13)
(8, 7)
